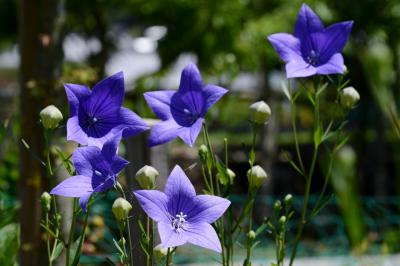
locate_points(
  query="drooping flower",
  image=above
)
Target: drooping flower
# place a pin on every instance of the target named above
(182, 216)
(96, 115)
(96, 169)
(312, 49)
(182, 111)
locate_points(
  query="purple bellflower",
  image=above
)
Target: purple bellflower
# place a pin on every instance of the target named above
(96, 115)
(96, 169)
(182, 216)
(182, 111)
(313, 49)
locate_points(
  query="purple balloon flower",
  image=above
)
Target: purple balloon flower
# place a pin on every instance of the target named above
(182, 111)
(97, 171)
(96, 115)
(182, 216)
(313, 49)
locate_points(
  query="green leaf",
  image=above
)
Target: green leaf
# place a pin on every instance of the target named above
(57, 251)
(318, 135)
(73, 250)
(9, 243)
(222, 173)
(117, 246)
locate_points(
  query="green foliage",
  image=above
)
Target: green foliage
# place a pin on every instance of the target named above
(9, 244)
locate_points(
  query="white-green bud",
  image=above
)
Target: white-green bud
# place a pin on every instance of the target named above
(50, 117)
(282, 220)
(121, 208)
(146, 177)
(159, 252)
(349, 97)
(288, 200)
(231, 176)
(277, 206)
(260, 112)
(256, 176)
(251, 235)
(45, 200)
(203, 151)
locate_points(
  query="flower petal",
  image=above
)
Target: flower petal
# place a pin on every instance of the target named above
(333, 39)
(118, 164)
(207, 208)
(190, 79)
(203, 235)
(74, 186)
(286, 45)
(307, 23)
(164, 132)
(107, 97)
(299, 68)
(75, 132)
(110, 147)
(189, 134)
(159, 102)
(131, 123)
(83, 200)
(178, 184)
(85, 158)
(75, 94)
(333, 66)
(212, 94)
(170, 238)
(154, 204)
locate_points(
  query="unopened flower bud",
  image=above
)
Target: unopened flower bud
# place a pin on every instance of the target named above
(231, 176)
(251, 235)
(159, 252)
(349, 97)
(58, 218)
(277, 206)
(45, 200)
(50, 117)
(260, 112)
(121, 209)
(203, 152)
(288, 200)
(282, 220)
(256, 176)
(146, 177)
(122, 242)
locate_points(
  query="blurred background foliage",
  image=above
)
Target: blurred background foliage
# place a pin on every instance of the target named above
(151, 41)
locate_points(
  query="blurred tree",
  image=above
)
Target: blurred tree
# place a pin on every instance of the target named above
(40, 23)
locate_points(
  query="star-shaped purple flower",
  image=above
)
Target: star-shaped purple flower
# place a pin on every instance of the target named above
(182, 111)
(313, 49)
(97, 171)
(96, 115)
(182, 216)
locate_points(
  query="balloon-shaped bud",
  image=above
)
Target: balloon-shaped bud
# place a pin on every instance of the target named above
(146, 177)
(260, 112)
(121, 208)
(50, 117)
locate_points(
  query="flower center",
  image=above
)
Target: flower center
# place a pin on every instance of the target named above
(178, 223)
(313, 58)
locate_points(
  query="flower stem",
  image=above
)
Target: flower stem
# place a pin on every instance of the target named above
(47, 147)
(303, 220)
(48, 241)
(71, 231)
(120, 189)
(82, 237)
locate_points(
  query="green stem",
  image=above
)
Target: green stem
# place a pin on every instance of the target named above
(47, 147)
(149, 233)
(168, 260)
(48, 240)
(296, 140)
(308, 183)
(82, 237)
(71, 232)
(121, 226)
(120, 189)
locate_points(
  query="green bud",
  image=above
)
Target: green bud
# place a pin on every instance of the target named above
(45, 200)
(50, 117)
(349, 97)
(251, 235)
(282, 220)
(256, 176)
(203, 153)
(277, 206)
(146, 177)
(58, 218)
(121, 209)
(122, 242)
(159, 252)
(231, 176)
(288, 200)
(260, 112)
